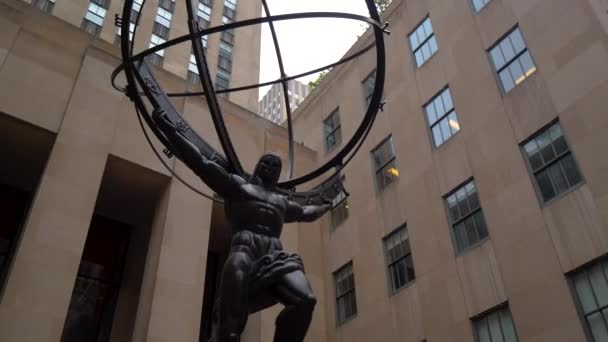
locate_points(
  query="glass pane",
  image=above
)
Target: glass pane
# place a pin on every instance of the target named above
(461, 237)
(598, 327)
(557, 137)
(546, 148)
(453, 207)
(471, 231)
(495, 331)
(419, 59)
(439, 108)
(447, 100)
(428, 29)
(584, 293)
(518, 41)
(414, 41)
(409, 264)
(507, 50)
(437, 135)
(527, 63)
(402, 272)
(353, 300)
(508, 329)
(482, 229)
(472, 197)
(462, 201)
(445, 129)
(453, 121)
(497, 58)
(482, 331)
(517, 72)
(426, 51)
(558, 178)
(478, 5)
(430, 113)
(533, 154)
(572, 172)
(433, 45)
(545, 186)
(506, 80)
(599, 284)
(421, 35)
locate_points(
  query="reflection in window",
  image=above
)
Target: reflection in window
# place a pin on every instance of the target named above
(591, 289)
(551, 162)
(496, 326)
(466, 216)
(423, 42)
(399, 259)
(512, 60)
(442, 117)
(385, 164)
(346, 301)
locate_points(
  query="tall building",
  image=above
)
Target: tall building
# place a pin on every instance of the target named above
(272, 106)
(163, 20)
(478, 207)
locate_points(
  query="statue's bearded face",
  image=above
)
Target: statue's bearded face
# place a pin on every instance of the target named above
(269, 168)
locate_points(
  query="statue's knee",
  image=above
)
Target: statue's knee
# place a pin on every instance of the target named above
(239, 262)
(309, 301)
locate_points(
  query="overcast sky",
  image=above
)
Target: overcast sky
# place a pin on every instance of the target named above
(307, 44)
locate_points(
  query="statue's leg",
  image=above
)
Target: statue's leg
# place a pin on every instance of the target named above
(294, 291)
(233, 305)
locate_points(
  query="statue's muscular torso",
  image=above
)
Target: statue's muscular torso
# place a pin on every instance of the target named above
(256, 209)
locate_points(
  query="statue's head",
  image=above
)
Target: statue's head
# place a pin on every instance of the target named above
(268, 168)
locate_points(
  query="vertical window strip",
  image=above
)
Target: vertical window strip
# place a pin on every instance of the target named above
(368, 87)
(332, 130)
(385, 164)
(423, 42)
(496, 326)
(442, 117)
(512, 60)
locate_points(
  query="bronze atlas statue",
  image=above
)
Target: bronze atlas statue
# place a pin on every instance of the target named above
(258, 273)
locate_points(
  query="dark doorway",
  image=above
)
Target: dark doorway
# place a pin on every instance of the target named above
(14, 203)
(95, 293)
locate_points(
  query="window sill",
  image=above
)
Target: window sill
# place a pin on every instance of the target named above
(393, 293)
(560, 196)
(476, 245)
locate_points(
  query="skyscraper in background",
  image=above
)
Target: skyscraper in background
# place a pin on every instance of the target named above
(272, 106)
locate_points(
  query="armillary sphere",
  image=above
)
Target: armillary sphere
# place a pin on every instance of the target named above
(148, 97)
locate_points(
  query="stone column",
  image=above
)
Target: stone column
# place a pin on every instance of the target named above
(39, 287)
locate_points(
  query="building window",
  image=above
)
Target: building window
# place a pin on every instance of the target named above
(93, 19)
(346, 301)
(163, 17)
(44, 5)
(368, 87)
(224, 60)
(466, 216)
(551, 162)
(168, 5)
(222, 80)
(339, 210)
(193, 71)
(385, 164)
(591, 289)
(131, 32)
(399, 259)
(332, 130)
(442, 117)
(157, 57)
(423, 42)
(204, 12)
(495, 326)
(512, 60)
(480, 4)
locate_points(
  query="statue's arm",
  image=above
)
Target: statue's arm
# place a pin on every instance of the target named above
(307, 213)
(214, 175)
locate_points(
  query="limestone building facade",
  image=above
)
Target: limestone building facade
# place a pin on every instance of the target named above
(478, 207)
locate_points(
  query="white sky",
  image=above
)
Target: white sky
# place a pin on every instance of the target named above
(308, 44)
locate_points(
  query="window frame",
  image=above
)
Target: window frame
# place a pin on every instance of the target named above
(532, 173)
(421, 44)
(376, 170)
(578, 304)
(438, 120)
(337, 296)
(335, 131)
(393, 291)
(497, 71)
(342, 203)
(471, 213)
